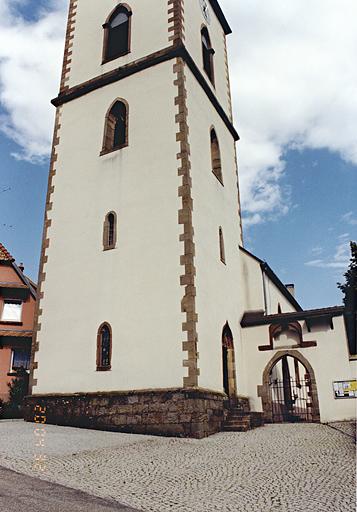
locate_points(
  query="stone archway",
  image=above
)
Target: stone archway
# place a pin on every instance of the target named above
(228, 361)
(264, 391)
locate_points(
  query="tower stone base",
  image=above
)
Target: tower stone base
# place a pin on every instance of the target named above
(195, 413)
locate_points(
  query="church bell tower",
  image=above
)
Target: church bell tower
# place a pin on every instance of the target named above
(140, 264)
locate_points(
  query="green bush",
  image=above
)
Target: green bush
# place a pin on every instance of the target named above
(18, 389)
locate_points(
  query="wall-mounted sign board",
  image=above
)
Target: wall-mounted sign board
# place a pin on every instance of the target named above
(345, 389)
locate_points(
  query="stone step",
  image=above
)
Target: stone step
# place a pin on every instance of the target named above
(256, 419)
(236, 428)
(238, 421)
(238, 416)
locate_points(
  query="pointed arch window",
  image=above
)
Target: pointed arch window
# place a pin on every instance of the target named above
(117, 32)
(116, 127)
(222, 251)
(104, 348)
(207, 54)
(110, 231)
(216, 157)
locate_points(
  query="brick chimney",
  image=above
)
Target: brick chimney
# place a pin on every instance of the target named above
(291, 289)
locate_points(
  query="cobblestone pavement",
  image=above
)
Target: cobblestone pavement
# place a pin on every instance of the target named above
(285, 468)
(347, 427)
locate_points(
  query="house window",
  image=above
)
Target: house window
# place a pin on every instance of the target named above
(117, 33)
(207, 54)
(116, 127)
(110, 231)
(12, 311)
(20, 359)
(104, 347)
(216, 157)
(221, 246)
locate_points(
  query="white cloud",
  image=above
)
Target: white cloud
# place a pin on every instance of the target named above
(339, 260)
(349, 218)
(294, 85)
(30, 56)
(317, 250)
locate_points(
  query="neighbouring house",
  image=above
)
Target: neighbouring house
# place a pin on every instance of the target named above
(17, 310)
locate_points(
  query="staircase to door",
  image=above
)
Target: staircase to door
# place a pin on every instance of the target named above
(240, 418)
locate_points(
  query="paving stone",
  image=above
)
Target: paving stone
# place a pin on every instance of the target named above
(346, 427)
(285, 468)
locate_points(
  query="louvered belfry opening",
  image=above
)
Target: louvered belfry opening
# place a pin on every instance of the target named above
(117, 36)
(207, 54)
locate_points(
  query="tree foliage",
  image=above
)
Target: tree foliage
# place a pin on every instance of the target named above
(349, 288)
(18, 388)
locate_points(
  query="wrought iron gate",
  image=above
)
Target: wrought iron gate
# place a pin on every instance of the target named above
(291, 400)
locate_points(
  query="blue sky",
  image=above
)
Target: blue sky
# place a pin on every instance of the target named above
(295, 105)
(302, 245)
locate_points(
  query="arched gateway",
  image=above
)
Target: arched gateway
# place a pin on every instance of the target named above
(289, 392)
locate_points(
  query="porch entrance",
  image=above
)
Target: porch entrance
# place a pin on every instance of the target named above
(290, 390)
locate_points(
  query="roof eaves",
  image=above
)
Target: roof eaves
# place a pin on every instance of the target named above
(281, 287)
(243, 249)
(255, 318)
(274, 278)
(25, 280)
(221, 17)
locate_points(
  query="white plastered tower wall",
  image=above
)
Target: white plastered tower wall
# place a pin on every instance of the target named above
(215, 205)
(149, 25)
(136, 287)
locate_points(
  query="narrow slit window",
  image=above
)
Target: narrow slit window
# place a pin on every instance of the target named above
(104, 348)
(207, 54)
(116, 127)
(221, 246)
(110, 231)
(117, 34)
(216, 157)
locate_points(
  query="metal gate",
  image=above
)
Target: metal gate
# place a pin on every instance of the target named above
(291, 400)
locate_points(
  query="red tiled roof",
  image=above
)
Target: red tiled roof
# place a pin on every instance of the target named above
(4, 254)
